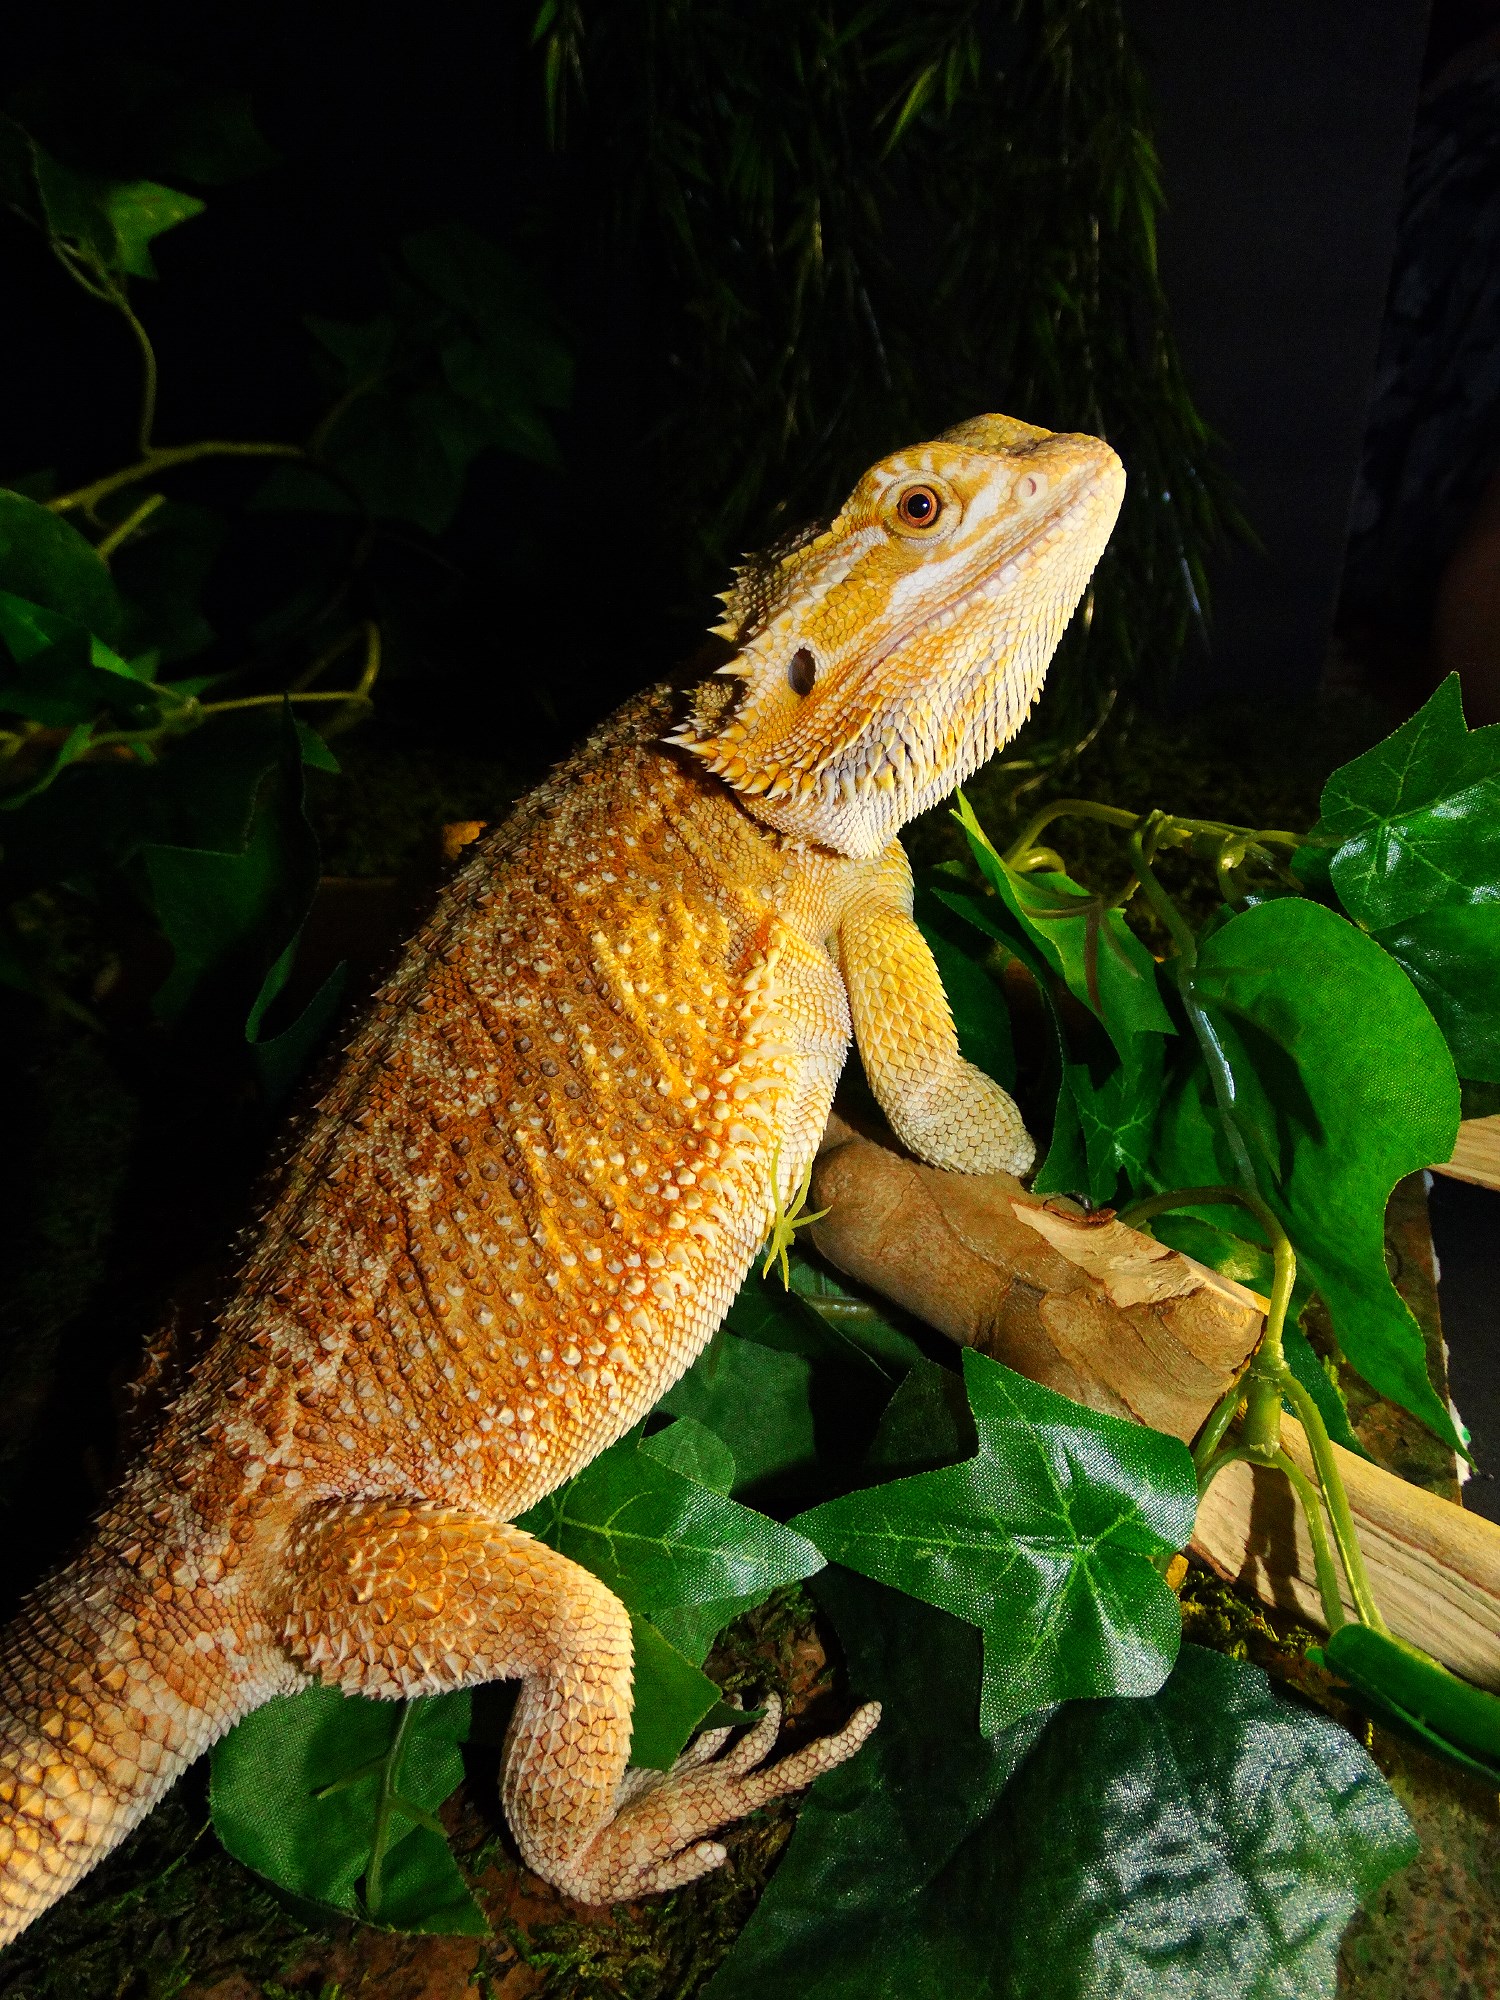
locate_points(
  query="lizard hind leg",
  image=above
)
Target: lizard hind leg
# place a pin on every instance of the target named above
(401, 1599)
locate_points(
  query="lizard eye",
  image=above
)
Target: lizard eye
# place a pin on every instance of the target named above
(918, 508)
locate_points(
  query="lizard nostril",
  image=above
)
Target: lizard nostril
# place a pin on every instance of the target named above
(1029, 487)
(801, 671)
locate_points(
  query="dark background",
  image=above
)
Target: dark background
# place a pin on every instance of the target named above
(1283, 132)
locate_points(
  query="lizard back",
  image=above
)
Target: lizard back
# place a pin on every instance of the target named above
(528, 1196)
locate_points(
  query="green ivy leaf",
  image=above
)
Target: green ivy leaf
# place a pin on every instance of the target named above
(795, 1383)
(1416, 820)
(1117, 1117)
(509, 361)
(1045, 1539)
(758, 1400)
(660, 1539)
(887, 1887)
(137, 212)
(1105, 965)
(364, 349)
(857, 1321)
(333, 1798)
(59, 673)
(105, 225)
(822, 1321)
(692, 1449)
(466, 361)
(672, 1698)
(1102, 1123)
(1215, 1843)
(393, 451)
(44, 559)
(233, 917)
(1209, 1842)
(281, 1059)
(1452, 956)
(1342, 1084)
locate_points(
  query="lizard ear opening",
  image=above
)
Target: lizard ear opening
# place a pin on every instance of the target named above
(801, 672)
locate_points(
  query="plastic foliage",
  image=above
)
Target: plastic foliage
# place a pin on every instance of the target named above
(1210, 1841)
(1046, 1539)
(144, 761)
(1106, 1846)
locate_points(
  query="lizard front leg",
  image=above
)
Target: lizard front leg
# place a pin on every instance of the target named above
(948, 1112)
(407, 1599)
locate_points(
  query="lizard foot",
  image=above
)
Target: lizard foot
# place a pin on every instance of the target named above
(656, 1842)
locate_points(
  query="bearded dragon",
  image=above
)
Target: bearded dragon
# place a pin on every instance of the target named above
(536, 1183)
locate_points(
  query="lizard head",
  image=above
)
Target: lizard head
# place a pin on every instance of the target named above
(882, 658)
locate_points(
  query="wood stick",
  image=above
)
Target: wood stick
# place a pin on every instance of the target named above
(1120, 1322)
(1434, 1569)
(1476, 1157)
(1079, 1303)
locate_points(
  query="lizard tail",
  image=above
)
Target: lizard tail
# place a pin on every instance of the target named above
(110, 1685)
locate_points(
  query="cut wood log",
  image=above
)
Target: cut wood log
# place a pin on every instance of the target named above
(1434, 1569)
(1116, 1320)
(1476, 1157)
(1077, 1302)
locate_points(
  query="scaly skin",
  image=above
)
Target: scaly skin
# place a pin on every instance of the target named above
(536, 1184)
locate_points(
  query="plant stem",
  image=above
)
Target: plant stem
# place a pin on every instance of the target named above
(1118, 816)
(321, 662)
(1216, 1463)
(147, 422)
(359, 692)
(132, 521)
(1025, 840)
(1150, 829)
(1323, 1564)
(1331, 1480)
(1040, 857)
(275, 700)
(385, 1802)
(165, 459)
(1266, 1382)
(1220, 1418)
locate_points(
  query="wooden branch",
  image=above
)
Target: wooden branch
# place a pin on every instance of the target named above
(1118, 1321)
(1476, 1157)
(1079, 1303)
(1435, 1569)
